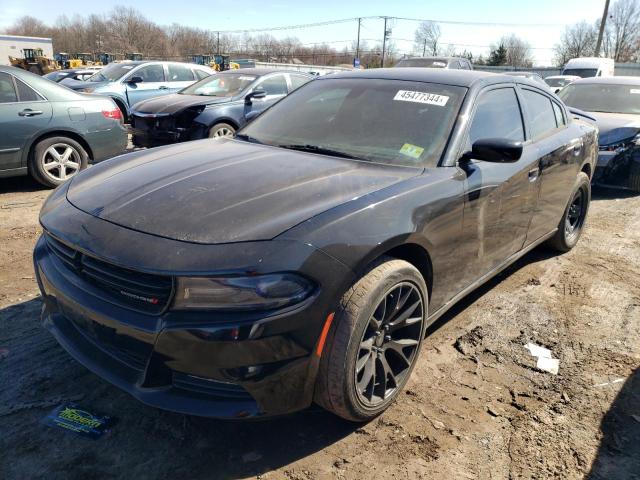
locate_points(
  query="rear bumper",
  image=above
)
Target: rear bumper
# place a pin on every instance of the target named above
(220, 365)
(105, 144)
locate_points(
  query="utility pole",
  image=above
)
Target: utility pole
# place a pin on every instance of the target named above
(424, 48)
(602, 25)
(218, 48)
(384, 40)
(358, 42)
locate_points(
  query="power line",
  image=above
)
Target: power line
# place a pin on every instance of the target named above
(466, 44)
(355, 19)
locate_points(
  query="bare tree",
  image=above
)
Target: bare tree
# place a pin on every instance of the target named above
(624, 28)
(427, 39)
(517, 51)
(578, 40)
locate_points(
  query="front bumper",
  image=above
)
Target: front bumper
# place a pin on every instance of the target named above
(209, 364)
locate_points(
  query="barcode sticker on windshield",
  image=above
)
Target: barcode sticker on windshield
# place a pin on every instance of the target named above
(636, 91)
(421, 97)
(250, 79)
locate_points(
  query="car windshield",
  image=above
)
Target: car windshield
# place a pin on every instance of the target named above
(221, 85)
(557, 82)
(382, 121)
(602, 97)
(423, 62)
(581, 72)
(112, 72)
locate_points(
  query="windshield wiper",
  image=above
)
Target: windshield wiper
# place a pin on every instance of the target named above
(320, 150)
(247, 138)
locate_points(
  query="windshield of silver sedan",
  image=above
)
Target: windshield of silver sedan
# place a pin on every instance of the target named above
(383, 121)
(222, 85)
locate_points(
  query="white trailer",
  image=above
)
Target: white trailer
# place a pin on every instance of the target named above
(12, 45)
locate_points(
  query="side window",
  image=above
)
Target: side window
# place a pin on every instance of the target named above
(26, 93)
(542, 118)
(7, 92)
(200, 74)
(559, 115)
(180, 73)
(150, 73)
(275, 85)
(497, 116)
(297, 81)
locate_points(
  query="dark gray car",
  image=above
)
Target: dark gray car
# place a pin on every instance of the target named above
(614, 102)
(50, 132)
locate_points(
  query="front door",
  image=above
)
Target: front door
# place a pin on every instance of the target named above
(153, 83)
(500, 197)
(23, 113)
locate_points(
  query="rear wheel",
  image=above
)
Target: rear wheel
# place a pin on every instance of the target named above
(56, 159)
(572, 221)
(375, 341)
(222, 130)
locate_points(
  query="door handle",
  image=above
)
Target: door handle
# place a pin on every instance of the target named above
(163, 87)
(534, 173)
(27, 112)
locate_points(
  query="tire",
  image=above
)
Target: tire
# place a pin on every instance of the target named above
(43, 157)
(222, 130)
(634, 176)
(354, 350)
(572, 221)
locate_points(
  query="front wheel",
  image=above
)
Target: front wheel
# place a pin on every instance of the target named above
(222, 130)
(572, 221)
(375, 341)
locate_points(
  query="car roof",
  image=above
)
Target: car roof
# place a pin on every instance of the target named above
(258, 72)
(433, 58)
(460, 78)
(610, 80)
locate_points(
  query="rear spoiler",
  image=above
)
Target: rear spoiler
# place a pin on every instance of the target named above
(581, 115)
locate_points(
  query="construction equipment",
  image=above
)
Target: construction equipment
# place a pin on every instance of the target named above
(34, 61)
(221, 63)
(200, 59)
(85, 58)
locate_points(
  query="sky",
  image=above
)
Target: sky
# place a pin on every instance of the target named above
(540, 22)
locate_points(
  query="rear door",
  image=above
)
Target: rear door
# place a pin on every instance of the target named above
(559, 150)
(153, 83)
(179, 76)
(500, 197)
(23, 113)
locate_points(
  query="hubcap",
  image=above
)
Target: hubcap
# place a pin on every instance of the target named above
(223, 132)
(575, 215)
(389, 344)
(61, 161)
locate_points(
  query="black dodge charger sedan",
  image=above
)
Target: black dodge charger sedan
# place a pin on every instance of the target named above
(303, 260)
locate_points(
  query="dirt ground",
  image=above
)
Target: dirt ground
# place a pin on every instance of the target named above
(476, 406)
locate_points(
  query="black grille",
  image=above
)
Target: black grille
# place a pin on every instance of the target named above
(214, 388)
(140, 291)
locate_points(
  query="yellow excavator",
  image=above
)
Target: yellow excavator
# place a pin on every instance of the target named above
(34, 61)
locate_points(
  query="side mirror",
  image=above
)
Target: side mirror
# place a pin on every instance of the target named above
(251, 115)
(254, 94)
(497, 150)
(135, 80)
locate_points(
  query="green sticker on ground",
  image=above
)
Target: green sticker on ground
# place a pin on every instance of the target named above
(412, 151)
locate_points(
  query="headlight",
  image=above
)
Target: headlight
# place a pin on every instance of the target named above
(261, 292)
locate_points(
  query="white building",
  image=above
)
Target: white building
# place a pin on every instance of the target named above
(12, 45)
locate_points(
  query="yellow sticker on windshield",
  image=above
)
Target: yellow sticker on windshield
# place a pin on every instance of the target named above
(412, 151)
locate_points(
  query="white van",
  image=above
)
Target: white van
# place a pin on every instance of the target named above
(590, 67)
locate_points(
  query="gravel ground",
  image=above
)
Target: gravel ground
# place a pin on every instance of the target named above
(476, 406)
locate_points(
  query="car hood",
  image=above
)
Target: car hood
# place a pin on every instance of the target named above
(221, 191)
(174, 103)
(615, 127)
